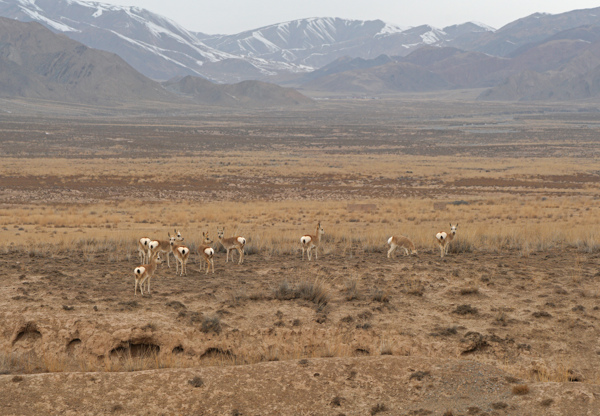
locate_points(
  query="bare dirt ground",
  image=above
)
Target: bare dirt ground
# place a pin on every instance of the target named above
(429, 335)
(481, 332)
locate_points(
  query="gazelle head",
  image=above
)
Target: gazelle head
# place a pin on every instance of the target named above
(156, 258)
(320, 230)
(220, 233)
(453, 228)
(206, 239)
(178, 234)
(175, 237)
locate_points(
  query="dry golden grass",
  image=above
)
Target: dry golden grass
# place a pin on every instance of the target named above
(497, 224)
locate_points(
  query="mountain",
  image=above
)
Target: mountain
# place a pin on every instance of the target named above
(315, 42)
(161, 49)
(157, 47)
(36, 63)
(388, 78)
(344, 64)
(253, 94)
(532, 29)
(573, 78)
(540, 56)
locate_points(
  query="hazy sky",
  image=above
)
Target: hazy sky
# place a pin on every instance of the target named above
(233, 16)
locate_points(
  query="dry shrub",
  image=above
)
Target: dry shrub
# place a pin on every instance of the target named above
(465, 310)
(211, 324)
(315, 292)
(380, 296)
(351, 289)
(284, 291)
(469, 290)
(196, 382)
(378, 408)
(520, 389)
(414, 287)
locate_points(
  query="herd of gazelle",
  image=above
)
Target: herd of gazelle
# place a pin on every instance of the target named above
(150, 251)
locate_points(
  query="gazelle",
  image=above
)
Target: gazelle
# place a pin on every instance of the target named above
(164, 246)
(231, 243)
(181, 254)
(402, 242)
(444, 239)
(144, 273)
(143, 249)
(309, 241)
(207, 252)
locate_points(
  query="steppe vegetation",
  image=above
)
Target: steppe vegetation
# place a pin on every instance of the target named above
(518, 290)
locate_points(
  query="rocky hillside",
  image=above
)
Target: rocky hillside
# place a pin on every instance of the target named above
(37, 63)
(249, 94)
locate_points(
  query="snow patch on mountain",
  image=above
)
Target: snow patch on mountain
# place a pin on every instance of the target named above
(61, 27)
(433, 36)
(390, 29)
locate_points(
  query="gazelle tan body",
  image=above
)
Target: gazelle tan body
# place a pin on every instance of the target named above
(181, 254)
(404, 243)
(444, 239)
(144, 273)
(312, 241)
(207, 253)
(143, 249)
(164, 246)
(230, 243)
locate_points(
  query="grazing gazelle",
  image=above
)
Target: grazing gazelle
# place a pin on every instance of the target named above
(143, 249)
(181, 254)
(444, 239)
(231, 243)
(144, 273)
(309, 241)
(402, 242)
(164, 246)
(207, 252)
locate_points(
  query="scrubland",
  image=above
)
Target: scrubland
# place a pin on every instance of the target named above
(517, 293)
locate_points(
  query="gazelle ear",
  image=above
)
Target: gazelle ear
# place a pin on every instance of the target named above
(169, 234)
(450, 224)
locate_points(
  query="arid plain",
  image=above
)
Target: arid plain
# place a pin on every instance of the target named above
(506, 324)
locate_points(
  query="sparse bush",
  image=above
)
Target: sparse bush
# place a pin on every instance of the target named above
(284, 291)
(196, 382)
(314, 292)
(378, 408)
(465, 310)
(380, 296)
(211, 324)
(520, 389)
(470, 290)
(351, 289)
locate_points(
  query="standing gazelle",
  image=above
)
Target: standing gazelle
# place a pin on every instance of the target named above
(143, 249)
(444, 239)
(402, 242)
(144, 273)
(207, 252)
(309, 241)
(181, 254)
(231, 243)
(164, 246)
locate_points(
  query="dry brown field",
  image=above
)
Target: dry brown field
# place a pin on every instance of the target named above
(506, 324)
